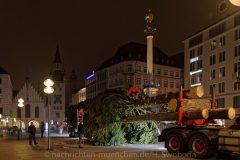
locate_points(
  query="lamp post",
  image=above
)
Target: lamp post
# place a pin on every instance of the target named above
(235, 2)
(48, 90)
(20, 104)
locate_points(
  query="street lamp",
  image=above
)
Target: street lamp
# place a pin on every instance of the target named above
(48, 90)
(235, 2)
(20, 104)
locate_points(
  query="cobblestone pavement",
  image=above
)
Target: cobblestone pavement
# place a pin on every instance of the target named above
(11, 149)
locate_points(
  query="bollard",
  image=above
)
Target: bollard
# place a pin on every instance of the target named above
(19, 135)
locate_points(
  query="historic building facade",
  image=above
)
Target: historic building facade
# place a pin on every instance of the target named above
(58, 96)
(128, 67)
(5, 99)
(79, 96)
(211, 58)
(34, 109)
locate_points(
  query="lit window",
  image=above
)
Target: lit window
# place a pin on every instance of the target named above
(222, 72)
(222, 41)
(213, 45)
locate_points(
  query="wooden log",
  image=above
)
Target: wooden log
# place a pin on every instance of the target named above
(192, 92)
(222, 113)
(168, 116)
(190, 104)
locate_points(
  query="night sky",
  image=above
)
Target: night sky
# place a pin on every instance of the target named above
(90, 32)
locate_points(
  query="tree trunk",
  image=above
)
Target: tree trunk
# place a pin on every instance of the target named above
(192, 92)
(169, 116)
(222, 113)
(190, 104)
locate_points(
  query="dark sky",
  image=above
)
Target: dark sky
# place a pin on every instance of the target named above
(89, 32)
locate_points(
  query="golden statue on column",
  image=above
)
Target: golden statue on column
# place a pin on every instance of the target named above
(149, 18)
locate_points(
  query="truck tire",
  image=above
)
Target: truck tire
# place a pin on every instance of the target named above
(175, 143)
(200, 145)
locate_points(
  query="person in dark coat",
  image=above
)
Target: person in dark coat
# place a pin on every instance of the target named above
(42, 128)
(32, 132)
(80, 133)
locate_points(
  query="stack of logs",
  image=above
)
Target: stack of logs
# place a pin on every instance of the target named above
(192, 108)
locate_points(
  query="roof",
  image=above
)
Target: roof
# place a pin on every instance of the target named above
(57, 57)
(179, 58)
(138, 52)
(211, 25)
(3, 71)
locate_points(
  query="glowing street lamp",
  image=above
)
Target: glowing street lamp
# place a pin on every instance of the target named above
(20, 104)
(48, 90)
(235, 2)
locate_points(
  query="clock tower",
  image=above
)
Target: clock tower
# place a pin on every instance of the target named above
(58, 96)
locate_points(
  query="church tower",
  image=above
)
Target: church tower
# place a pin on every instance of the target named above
(73, 82)
(58, 96)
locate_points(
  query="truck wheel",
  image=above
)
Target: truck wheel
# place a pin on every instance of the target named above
(200, 146)
(175, 144)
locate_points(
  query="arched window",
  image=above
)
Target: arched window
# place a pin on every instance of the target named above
(27, 111)
(37, 112)
(18, 112)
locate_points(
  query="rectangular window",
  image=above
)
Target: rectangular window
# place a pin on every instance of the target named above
(192, 67)
(138, 80)
(212, 59)
(220, 103)
(159, 82)
(138, 68)
(177, 74)
(145, 69)
(236, 101)
(213, 45)
(200, 78)
(57, 115)
(221, 88)
(192, 79)
(222, 56)
(129, 68)
(171, 84)
(222, 41)
(165, 83)
(212, 74)
(159, 71)
(54, 108)
(200, 50)
(165, 72)
(128, 79)
(171, 73)
(0, 90)
(235, 67)
(177, 85)
(199, 64)
(1, 111)
(235, 51)
(192, 53)
(222, 72)
(145, 80)
(211, 88)
(236, 35)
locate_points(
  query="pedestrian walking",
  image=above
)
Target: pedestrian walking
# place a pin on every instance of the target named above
(42, 128)
(32, 132)
(60, 129)
(80, 133)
